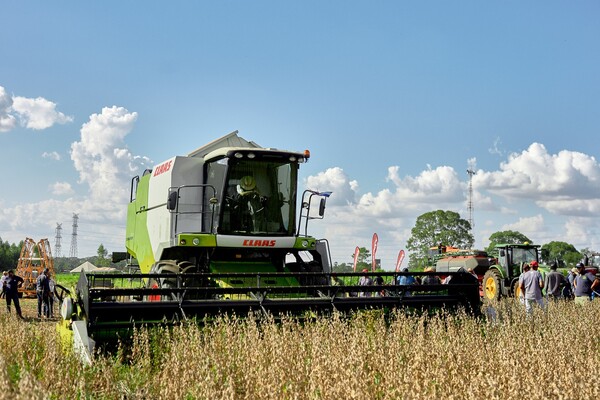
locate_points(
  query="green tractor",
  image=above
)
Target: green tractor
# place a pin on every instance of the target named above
(502, 277)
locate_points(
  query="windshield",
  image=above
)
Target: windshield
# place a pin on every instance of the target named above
(520, 255)
(258, 198)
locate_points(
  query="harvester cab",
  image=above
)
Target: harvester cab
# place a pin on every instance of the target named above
(218, 231)
(501, 279)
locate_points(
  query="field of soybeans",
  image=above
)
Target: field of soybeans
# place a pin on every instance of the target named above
(550, 355)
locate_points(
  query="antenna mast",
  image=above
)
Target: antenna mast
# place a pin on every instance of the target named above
(57, 245)
(73, 252)
(470, 204)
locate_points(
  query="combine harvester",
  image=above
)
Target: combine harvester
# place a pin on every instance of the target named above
(218, 231)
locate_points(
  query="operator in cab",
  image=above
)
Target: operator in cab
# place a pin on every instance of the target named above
(248, 205)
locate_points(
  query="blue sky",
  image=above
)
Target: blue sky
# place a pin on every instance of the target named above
(395, 100)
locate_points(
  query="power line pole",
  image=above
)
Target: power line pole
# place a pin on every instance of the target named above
(470, 204)
(73, 252)
(57, 245)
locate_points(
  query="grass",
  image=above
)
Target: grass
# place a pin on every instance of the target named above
(364, 357)
(67, 280)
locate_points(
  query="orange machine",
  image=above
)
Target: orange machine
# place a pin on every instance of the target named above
(34, 258)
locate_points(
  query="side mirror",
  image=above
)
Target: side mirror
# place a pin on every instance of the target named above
(172, 201)
(322, 207)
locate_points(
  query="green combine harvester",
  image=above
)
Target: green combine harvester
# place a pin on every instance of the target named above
(219, 231)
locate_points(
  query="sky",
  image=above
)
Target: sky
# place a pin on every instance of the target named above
(395, 101)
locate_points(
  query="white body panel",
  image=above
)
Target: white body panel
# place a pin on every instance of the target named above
(175, 172)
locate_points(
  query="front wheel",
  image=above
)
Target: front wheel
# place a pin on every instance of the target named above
(492, 285)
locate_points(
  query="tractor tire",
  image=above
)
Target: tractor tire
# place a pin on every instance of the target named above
(516, 290)
(492, 285)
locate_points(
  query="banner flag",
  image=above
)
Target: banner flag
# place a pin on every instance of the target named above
(399, 261)
(374, 251)
(356, 253)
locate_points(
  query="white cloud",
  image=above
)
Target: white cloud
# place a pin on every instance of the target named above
(495, 149)
(391, 212)
(106, 166)
(53, 155)
(61, 188)
(7, 121)
(101, 158)
(37, 113)
(566, 183)
(334, 180)
(529, 226)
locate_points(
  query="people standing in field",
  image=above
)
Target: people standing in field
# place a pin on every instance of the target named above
(42, 288)
(365, 280)
(52, 286)
(3, 283)
(430, 279)
(532, 285)
(406, 280)
(571, 279)
(13, 283)
(585, 284)
(554, 282)
(378, 281)
(524, 269)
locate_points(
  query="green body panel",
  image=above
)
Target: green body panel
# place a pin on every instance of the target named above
(137, 239)
(203, 240)
(249, 267)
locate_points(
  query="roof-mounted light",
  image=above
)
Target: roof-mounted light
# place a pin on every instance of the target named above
(238, 155)
(292, 158)
(251, 155)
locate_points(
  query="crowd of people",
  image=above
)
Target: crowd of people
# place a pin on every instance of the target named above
(580, 285)
(45, 288)
(535, 289)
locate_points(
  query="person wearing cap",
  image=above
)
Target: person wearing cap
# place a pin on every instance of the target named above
(554, 282)
(585, 283)
(531, 286)
(365, 280)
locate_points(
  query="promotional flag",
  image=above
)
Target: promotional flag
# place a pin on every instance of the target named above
(356, 253)
(374, 250)
(399, 261)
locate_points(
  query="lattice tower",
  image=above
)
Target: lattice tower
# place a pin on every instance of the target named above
(57, 245)
(470, 204)
(73, 252)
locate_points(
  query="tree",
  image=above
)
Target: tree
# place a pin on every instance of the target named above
(561, 251)
(9, 255)
(505, 237)
(343, 267)
(435, 227)
(102, 261)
